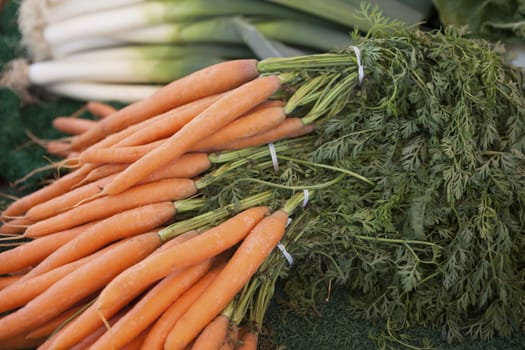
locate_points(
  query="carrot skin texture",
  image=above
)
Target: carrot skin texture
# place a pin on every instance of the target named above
(15, 226)
(66, 201)
(118, 154)
(6, 281)
(90, 320)
(248, 341)
(168, 123)
(289, 128)
(126, 224)
(159, 331)
(75, 286)
(33, 252)
(250, 254)
(206, 245)
(99, 109)
(252, 123)
(72, 125)
(49, 327)
(230, 106)
(104, 207)
(206, 82)
(62, 185)
(151, 306)
(213, 335)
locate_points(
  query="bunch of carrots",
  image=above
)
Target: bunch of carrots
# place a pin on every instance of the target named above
(124, 251)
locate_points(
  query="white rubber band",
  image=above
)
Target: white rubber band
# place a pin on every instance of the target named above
(360, 68)
(286, 254)
(273, 154)
(306, 197)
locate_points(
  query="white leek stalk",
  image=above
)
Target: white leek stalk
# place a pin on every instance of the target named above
(121, 71)
(89, 91)
(61, 10)
(134, 52)
(154, 12)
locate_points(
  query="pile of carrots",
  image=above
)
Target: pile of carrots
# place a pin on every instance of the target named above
(122, 251)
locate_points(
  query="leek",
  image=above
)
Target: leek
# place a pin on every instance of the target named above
(154, 12)
(120, 71)
(132, 52)
(90, 91)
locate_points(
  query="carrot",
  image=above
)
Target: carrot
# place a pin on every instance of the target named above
(250, 124)
(65, 201)
(20, 342)
(6, 281)
(89, 321)
(72, 125)
(230, 106)
(60, 186)
(151, 306)
(187, 166)
(32, 252)
(100, 172)
(243, 264)
(104, 207)
(49, 327)
(289, 128)
(77, 285)
(86, 343)
(232, 337)
(136, 343)
(214, 334)
(15, 226)
(208, 244)
(27, 289)
(58, 148)
(159, 331)
(122, 225)
(205, 82)
(169, 122)
(124, 154)
(248, 340)
(99, 109)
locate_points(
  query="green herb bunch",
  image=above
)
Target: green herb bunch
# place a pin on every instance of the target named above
(419, 171)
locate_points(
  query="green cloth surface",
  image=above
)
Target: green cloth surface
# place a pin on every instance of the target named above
(332, 326)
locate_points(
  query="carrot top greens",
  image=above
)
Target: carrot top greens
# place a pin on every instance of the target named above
(435, 237)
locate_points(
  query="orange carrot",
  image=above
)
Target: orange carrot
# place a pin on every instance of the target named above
(76, 286)
(208, 244)
(230, 106)
(104, 207)
(27, 289)
(86, 343)
(205, 82)
(187, 166)
(100, 172)
(232, 337)
(136, 343)
(124, 154)
(15, 226)
(248, 341)
(169, 122)
(33, 252)
(62, 185)
(20, 342)
(151, 306)
(90, 320)
(214, 334)
(289, 128)
(6, 281)
(122, 225)
(49, 327)
(253, 123)
(58, 148)
(99, 109)
(72, 125)
(158, 333)
(243, 264)
(65, 201)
